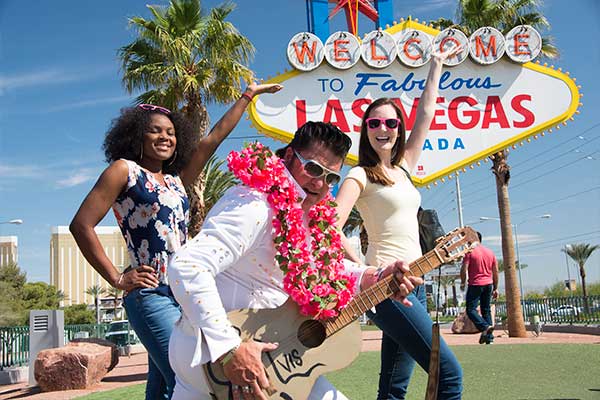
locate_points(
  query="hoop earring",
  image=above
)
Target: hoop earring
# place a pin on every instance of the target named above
(142, 152)
(173, 160)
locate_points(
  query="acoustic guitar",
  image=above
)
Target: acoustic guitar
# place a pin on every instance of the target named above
(310, 348)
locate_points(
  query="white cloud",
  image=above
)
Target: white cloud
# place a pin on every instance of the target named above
(21, 171)
(49, 76)
(76, 179)
(496, 241)
(89, 103)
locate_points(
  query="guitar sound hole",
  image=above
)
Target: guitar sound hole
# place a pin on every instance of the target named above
(311, 333)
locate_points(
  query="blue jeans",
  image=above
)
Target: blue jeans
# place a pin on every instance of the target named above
(482, 296)
(407, 335)
(152, 314)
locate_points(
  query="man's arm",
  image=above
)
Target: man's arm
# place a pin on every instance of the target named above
(232, 228)
(463, 273)
(227, 234)
(495, 279)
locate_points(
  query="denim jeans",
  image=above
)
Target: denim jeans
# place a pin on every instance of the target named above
(482, 296)
(152, 314)
(407, 335)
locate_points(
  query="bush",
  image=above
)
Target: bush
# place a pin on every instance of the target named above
(79, 314)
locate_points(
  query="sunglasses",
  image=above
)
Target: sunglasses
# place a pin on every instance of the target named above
(152, 107)
(316, 170)
(374, 123)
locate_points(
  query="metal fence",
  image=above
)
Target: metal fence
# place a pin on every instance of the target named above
(558, 310)
(14, 341)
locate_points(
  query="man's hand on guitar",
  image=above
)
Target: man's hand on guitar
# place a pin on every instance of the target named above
(407, 282)
(246, 371)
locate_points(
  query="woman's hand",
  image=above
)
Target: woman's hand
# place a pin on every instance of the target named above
(441, 56)
(255, 89)
(142, 277)
(406, 282)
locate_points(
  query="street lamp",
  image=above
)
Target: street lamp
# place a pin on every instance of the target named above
(12, 221)
(514, 226)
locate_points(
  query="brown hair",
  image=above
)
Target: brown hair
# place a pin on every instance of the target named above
(367, 157)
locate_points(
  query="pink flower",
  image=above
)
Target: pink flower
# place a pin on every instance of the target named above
(308, 273)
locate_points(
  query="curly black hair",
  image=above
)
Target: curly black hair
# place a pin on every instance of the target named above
(124, 139)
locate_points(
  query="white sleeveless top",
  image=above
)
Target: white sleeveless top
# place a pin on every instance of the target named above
(390, 217)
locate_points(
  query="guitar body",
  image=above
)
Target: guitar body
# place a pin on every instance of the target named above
(304, 351)
(308, 348)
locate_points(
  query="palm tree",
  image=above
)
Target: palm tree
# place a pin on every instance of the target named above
(580, 252)
(516, 323)
(96, 291)
(445, 281)
(354, 222)
(517, 265)
(502, 15)
(217, 181)
(115, 294)
(185, 60)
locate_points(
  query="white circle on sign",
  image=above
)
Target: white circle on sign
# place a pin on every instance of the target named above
(523, 43)
(414, 47)
(342, 50)
(305, 51)
(486, 45)
(378, 49)
(449, 38)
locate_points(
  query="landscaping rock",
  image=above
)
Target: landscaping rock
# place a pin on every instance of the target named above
(79, 365)
(462, 323)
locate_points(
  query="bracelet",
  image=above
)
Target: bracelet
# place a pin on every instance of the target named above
(379, 272)
(229, 355)
(246, 96)
(120, 279)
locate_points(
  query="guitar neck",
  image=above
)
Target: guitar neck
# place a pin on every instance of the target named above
(380, 291)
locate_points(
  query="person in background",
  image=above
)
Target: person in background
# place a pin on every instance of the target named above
(383, 193)
(153, 153)
(481, 269)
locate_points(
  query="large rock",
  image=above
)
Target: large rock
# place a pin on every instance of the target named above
(463, 324)
(80, 364)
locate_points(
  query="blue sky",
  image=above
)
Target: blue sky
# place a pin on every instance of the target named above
(60, 87)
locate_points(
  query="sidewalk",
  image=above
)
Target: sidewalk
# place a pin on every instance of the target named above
(132, 370)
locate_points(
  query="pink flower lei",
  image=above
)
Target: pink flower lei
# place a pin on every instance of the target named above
(315, 279)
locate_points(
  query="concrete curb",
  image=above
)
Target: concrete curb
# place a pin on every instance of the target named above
(14, 375)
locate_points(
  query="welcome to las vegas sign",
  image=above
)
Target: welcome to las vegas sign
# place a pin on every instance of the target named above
(490, 97)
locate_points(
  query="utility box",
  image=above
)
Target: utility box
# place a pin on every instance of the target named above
(46, 331)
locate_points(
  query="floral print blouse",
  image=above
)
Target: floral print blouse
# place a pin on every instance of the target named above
(153, 218)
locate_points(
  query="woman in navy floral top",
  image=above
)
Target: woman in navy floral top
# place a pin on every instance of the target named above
(153, 153)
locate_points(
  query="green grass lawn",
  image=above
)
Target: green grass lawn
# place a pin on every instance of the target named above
(526, 371)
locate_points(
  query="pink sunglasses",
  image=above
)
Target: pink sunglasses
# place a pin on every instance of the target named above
(152, 107)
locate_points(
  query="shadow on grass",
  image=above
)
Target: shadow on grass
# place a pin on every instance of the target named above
(126, 378)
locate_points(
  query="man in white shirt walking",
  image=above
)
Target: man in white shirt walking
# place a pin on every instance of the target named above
(239, 257)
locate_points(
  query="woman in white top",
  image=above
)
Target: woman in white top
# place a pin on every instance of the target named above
(388, 204)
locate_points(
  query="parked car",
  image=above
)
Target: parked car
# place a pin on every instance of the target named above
(121, 334)
(566, 310)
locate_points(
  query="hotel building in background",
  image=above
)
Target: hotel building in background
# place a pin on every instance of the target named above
(9, 246)
(69, 270)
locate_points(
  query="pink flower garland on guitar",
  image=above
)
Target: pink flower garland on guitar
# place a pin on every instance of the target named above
(315, 279)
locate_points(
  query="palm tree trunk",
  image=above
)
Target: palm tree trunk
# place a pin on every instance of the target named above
(584, 289)
(364, 240)
(454, 299)
(97, 303)
(516, 324)
(199, 119)
(197, 206)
